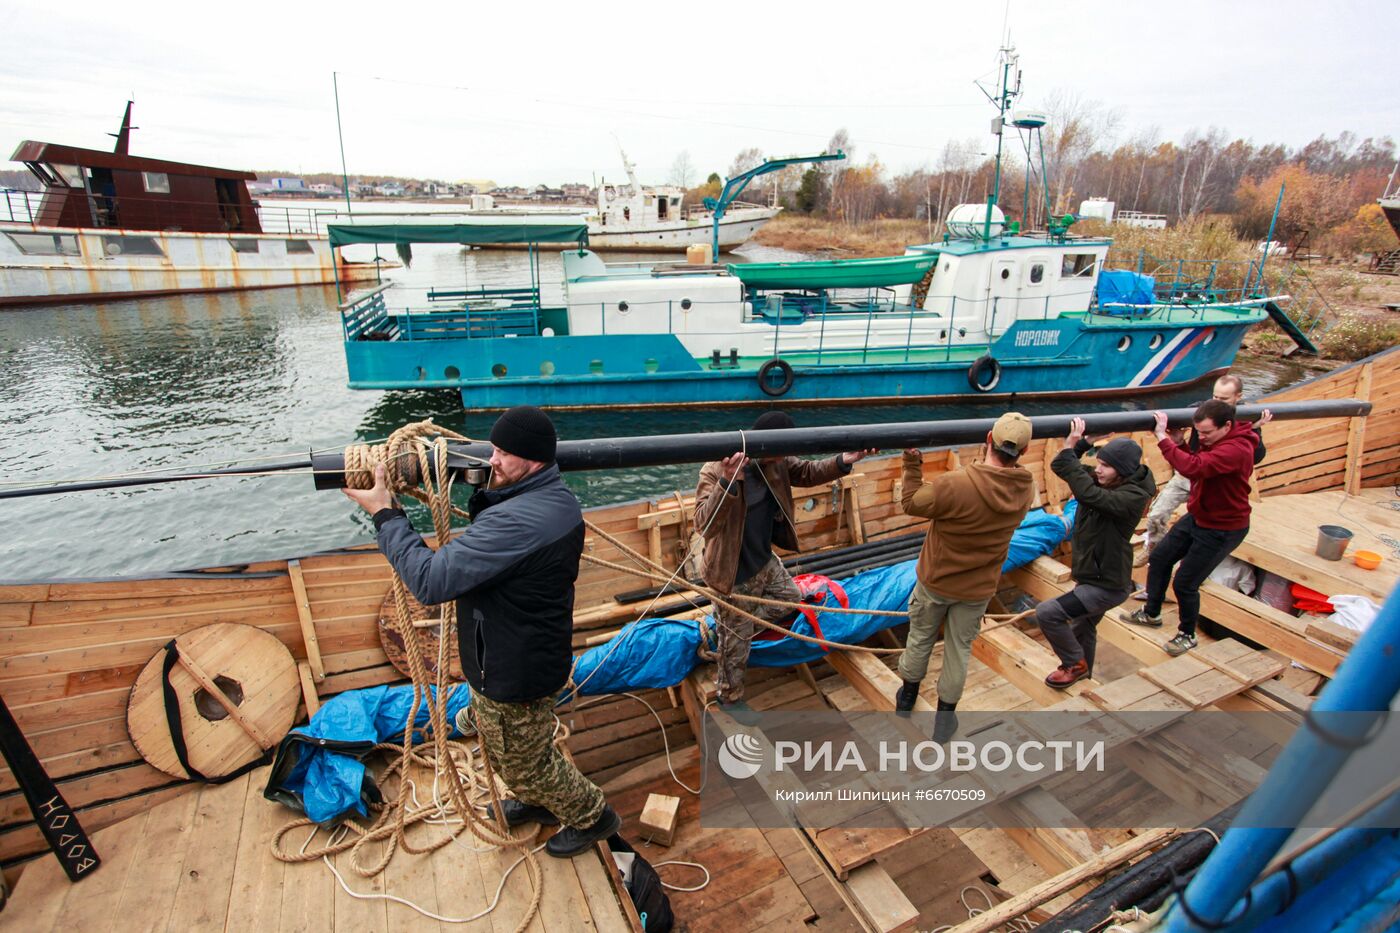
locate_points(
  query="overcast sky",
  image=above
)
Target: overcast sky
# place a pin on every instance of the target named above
(522, 93)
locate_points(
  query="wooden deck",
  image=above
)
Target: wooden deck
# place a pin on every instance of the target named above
(203, 862)
(176, 853)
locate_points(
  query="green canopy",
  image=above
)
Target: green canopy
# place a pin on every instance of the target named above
(538, 231)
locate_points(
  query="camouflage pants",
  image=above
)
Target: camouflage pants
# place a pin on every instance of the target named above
(1159, 518)
(519, 738)
(736, 631)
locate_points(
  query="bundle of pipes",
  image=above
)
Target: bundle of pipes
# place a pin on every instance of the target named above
(837, 563)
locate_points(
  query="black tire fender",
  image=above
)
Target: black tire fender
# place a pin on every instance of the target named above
(984, 373)
(772, 390)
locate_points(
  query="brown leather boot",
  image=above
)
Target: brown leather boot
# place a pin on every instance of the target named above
(1066, 674)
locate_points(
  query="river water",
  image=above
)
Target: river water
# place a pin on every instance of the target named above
(199, 380)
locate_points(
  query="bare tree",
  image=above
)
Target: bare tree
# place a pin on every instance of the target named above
(1077, 129)
(682, 170)
(748, 158)
(1196, 173)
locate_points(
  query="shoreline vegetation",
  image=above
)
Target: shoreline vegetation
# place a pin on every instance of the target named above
(1355, 322)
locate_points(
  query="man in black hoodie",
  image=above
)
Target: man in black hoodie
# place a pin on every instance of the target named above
(512, 573)
(1111, 497)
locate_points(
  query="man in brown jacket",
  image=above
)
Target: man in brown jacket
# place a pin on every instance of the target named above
(742, 508)
(972, 513)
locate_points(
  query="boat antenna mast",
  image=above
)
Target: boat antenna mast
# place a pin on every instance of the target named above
(124, 134)
(1004, 97)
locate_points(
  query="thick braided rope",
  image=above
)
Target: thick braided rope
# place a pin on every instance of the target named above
(392, 820)
(715, 597)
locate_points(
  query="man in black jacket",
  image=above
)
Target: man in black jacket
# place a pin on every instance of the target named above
(1111, 498)
(512, 573)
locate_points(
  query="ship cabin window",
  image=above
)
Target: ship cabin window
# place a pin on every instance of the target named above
(298, 246)
(155, 182)
(69, 175)
(131, 246)
(45, 244)
(627, 213)
(1078, 266)
(1037, 273)
(662, 204)
(245, 245)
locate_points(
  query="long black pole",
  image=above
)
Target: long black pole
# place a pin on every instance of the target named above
(667, 449)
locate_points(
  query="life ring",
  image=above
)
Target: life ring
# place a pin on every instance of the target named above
(770, 389)
(984, 374)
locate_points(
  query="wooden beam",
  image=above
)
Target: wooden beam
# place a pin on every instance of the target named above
(308, 689)
(1048, 890)
(1356, 434)
(308, 627)
(880, 901)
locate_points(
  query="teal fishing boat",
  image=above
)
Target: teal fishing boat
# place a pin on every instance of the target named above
(990, 310)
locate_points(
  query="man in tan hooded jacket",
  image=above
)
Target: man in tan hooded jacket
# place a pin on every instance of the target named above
(972, 513)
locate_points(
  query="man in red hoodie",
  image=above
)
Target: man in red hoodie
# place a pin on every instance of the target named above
(1216, 520)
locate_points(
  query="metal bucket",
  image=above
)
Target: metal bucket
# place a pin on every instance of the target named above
(1332, 541)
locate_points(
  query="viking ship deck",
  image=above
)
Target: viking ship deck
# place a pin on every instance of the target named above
(182, 854)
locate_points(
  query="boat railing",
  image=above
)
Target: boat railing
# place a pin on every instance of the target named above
(127, 212)
(849, 321)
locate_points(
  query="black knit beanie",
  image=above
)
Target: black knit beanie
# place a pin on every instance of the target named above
(773, 421)
(1123, 454)
(527, 432)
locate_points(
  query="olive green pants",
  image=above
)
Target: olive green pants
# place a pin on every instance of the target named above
(958, 620)
(519, 738)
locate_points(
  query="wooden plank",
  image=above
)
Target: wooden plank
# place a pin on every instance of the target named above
(308, 626)
(44, 892)
(1329, 633)
(1263, 623)
(148, 898)
(308, 688)
(880, 901)
(206, 876)
(1356, 434)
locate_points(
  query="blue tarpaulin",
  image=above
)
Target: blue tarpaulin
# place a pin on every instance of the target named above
(1122, 287)
(652, 653)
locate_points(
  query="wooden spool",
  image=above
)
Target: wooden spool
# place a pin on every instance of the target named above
(393, 645)
(249, 667)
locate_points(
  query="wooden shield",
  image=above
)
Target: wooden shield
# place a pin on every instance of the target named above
(427, 639)
(250, 666)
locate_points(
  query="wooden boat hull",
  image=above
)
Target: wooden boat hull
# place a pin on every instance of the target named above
(70, 650)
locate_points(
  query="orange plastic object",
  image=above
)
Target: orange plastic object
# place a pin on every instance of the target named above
(1367, 560)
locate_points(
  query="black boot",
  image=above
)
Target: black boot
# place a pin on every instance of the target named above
(569, 842)
(945, 722)
(906, 696)
(518, 813)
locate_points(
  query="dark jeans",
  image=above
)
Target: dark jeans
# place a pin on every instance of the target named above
(1071, 621)
(1199, 550)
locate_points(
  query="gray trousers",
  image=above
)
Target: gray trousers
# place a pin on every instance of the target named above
(959, 620)
(1071, 621)
(1170, 497)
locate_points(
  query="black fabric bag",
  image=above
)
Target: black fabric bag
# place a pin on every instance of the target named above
(648, 896)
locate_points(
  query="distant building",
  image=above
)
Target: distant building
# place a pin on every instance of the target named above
(325, 191)
(289, 184)
(391, 189)
(513, 191)
(1139, 219)
(575, 191)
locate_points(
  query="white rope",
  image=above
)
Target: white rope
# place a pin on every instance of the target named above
(675, 887)
(617, 639)
(409, 904)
